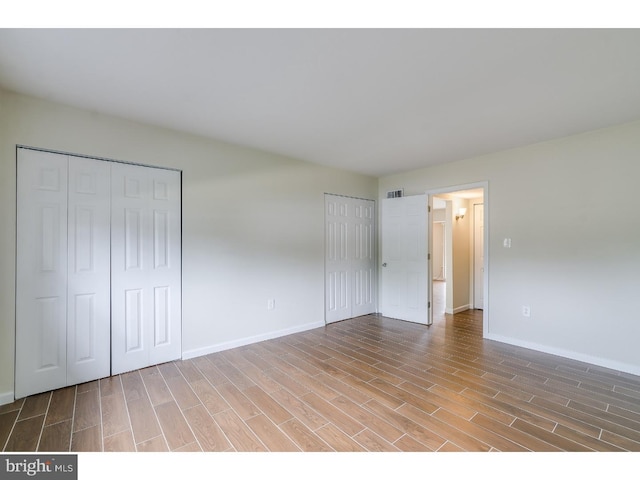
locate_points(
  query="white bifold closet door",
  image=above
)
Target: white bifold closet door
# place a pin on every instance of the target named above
(350, 270)
(98, 269)
(146, 267)
(62, 284)
(88, 269)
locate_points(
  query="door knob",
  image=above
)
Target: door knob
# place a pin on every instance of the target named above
(384, 264)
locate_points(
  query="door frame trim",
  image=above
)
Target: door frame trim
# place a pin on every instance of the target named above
(473, 256)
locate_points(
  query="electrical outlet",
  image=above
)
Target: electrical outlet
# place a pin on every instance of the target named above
(271, 304)
(526, 311)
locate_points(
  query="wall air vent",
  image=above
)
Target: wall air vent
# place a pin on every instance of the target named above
(395, 193)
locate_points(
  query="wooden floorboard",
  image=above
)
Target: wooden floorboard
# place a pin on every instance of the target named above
(364, 384)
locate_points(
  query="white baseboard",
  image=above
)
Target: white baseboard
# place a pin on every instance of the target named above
(6, 398)
(581, 357)
(462, 308)
(198, 352)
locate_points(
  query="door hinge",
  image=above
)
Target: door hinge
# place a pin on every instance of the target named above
(428, 256)
(429, 208)
(428, 304)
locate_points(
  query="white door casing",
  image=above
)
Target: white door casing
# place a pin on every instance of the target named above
(404, 259)
(146, 267)
(350, 271)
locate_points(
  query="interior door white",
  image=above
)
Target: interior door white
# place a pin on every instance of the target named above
(146, 267)
(41, 274)
(350, 260)
(404, 258)
(478, 256)
(363, 265)
(88, 278)
(337, 258)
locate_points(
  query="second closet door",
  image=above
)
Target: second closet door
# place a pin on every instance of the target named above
(146, 267)
(88, 267)
(350, 270)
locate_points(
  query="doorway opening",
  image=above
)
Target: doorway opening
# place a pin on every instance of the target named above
(457, 247)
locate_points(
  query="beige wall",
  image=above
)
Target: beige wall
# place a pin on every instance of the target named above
(461, 261)
(253, 223)
(580, 280)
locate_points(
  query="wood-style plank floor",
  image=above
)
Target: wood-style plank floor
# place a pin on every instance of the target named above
(366, 384)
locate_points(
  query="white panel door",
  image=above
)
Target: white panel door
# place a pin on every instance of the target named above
(478, 256)
(41, 274)
(364, 258)
(89, 270)
(350, 269)
(338, 258)
(146, 267)
(404, 258)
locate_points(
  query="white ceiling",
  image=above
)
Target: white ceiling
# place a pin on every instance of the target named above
(376, 101)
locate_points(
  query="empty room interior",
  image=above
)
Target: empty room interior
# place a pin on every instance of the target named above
(319, 240)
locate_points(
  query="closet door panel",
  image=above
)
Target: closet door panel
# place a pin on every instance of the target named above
(338, 240)
(350, 258)
(165, 207)
(89, 271)
(41, 274)
(130, 263)
(364, 258)
(146, 267)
